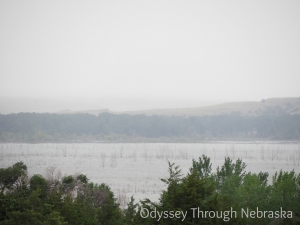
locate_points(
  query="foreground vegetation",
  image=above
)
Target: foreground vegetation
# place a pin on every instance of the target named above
(56, 199)
(45, 127)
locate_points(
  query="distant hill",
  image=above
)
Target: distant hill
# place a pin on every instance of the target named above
(272, 106)
(93, 112)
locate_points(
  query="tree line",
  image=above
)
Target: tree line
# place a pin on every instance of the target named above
(57, 200)
(107, 126)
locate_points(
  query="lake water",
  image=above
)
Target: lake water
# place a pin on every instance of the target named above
(136, 168)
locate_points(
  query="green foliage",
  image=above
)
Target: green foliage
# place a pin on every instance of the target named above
(11, 177)
(203, 167)
(74, 200)
(31, 210)
(186, 193)
(130, 213)
(37, 182)
(229, 188)
(37, 202)
(83, 178)
(230, 174)
(175, 174)
(252, 193)
(285, 190)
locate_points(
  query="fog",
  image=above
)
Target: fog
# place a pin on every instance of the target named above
(129, 55)
(54, 105)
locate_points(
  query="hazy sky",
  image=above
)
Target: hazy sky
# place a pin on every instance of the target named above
(208, 50)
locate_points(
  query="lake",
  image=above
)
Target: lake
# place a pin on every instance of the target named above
(136, 168)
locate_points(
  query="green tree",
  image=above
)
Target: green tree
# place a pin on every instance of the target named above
(38, 182)
(130, 213)
(202, 167)
(285, 191)
(189, 192)
(12, 177)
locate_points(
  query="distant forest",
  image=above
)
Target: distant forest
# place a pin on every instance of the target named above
(46, 127)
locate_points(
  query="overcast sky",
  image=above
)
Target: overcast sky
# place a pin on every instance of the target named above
(164, 49)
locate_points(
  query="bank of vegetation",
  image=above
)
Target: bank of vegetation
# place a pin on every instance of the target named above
(73, 199)
(45, 127)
